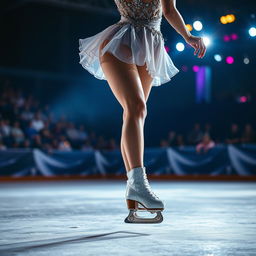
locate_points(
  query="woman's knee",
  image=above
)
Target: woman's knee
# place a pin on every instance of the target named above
(135, 109)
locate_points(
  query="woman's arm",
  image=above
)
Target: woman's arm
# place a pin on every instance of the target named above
(175, 19)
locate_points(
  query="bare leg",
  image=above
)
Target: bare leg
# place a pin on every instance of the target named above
(125, 83)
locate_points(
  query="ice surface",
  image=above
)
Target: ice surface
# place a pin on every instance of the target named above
(87, 218)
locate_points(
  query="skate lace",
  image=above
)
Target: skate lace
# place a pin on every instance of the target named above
(148, 187)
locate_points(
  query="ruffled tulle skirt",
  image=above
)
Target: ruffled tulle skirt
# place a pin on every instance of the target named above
(130, 45)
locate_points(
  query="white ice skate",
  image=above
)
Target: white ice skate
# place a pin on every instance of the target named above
(140, 197)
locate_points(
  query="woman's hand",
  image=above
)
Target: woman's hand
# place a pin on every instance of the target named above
(198, 44)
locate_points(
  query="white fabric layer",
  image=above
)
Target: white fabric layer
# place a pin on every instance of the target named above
(129, 44)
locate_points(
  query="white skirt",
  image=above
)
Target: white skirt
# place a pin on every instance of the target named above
(144, 46)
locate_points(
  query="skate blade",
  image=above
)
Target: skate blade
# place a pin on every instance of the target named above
(134, 218)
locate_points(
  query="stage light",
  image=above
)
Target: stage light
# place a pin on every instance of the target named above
(206, 40)
(195, 68)
(198, 25)
(230, 60)
(234, 36)
(246, 61)
(230, 18)
(226, 38)
(167, 48)
(217, 57)
(223, 20)
(243, 99)
(227, 19)
(252, 31)
(189, 27)
(180, 47)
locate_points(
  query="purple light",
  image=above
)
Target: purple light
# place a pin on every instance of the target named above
(184, 68)
(195, 68)
(167, 48)
(234, 36)
(230, 60)
(226, 38)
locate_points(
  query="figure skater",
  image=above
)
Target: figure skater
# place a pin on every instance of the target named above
(130, 55)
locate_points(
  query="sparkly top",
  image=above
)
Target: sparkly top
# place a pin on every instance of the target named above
(141, 13)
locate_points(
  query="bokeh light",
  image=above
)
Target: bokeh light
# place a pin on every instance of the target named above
(198, 25)
(217, 57)
(206, 40)
(252, 31)
(246, 60)
(226, 38)
(195, 68)
(230, 60)
(189, 27)
(180, 47)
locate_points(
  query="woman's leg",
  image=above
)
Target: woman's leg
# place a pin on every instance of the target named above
(124, 81)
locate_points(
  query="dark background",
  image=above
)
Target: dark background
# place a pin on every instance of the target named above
(39, 53)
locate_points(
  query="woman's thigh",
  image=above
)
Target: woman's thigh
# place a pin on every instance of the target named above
(123, 79)
(146, 80)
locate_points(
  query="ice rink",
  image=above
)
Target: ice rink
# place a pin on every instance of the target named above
(87, 218)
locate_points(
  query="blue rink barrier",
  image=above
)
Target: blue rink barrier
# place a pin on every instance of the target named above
(222, 160)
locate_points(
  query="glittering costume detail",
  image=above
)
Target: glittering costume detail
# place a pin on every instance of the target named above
(141, 14)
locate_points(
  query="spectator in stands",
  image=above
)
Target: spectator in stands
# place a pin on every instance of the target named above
(72, 132)
(86, 146)
(172, 139)
(112, 144)
(26, 144)
(30, 131)
(196, 135)
(37, 122)
(2, 146)
(208, 129)
(234, 135)
(17, 133)
(82, 133)
(248, 135)
(26, 114)
(180, 141)
(64, 144)
(205, 145)
(101, 143)
(37, 142)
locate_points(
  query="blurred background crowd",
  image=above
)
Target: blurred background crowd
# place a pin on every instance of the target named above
(25, 122)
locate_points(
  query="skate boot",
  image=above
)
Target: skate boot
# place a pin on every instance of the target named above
(140, 197)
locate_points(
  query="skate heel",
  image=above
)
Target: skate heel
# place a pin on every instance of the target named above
(131, 204)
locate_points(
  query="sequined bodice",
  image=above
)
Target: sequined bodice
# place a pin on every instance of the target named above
(141, 13)
(146, 10)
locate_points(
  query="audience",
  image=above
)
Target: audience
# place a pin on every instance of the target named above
(27, 123)
(206, 144)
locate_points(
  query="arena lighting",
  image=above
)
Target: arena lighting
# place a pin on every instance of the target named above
(198, 25)
(229, 18)
(195, 68)
(223, 20)
(206, 40)
(234, 36)
(217, 57)
(226, 38)
(252, 31)
(180, 47)
(243, 99)
(230, 60)
(246, 60)
(189, 27)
